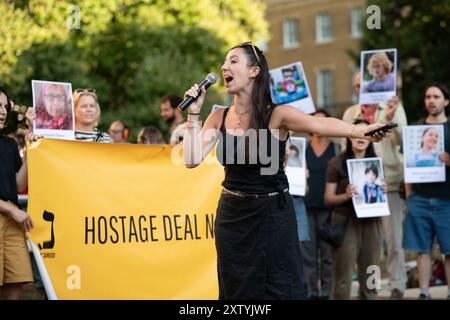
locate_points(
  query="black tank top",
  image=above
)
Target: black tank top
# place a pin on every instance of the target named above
(248, 170)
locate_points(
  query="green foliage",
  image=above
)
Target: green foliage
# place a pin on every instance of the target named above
(420, 31)
(131, 51)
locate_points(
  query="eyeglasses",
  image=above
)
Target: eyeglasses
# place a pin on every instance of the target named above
(52, 97)
(249, 43)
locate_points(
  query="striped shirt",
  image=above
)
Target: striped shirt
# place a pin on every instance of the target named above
(93, 136)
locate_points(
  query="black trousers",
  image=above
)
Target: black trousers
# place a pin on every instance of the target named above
(258, 249)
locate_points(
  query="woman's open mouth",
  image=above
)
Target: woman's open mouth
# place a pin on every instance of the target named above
(228, 80)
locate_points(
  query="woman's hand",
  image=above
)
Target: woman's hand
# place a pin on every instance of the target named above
(195, 106)
(350, 190)
(392, 106)
(22, 218)
(377, 137)
(384, 187)
(445, 158)
(30, 114)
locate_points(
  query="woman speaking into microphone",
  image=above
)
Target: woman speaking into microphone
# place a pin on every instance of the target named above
(255, 230)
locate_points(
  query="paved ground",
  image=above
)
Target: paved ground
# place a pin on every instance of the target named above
(437, 292)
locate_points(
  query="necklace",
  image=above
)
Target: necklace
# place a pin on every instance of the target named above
(239, 114)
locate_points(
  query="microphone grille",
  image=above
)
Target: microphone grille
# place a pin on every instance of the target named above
(212, 77)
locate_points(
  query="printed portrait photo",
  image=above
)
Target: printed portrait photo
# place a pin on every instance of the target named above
(295, 167)
(295, 153)
(288, 85)
(378, 75)
(367, 176)
(424, 144)
(53, 103)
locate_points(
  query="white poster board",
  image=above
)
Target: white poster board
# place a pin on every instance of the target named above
(296, 166)
(378, 76)
(288, 85)
(421, 148)
(54, 109)
(367, 176)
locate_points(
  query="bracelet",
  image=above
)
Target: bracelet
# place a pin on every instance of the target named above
(351, 132)
(194, 114)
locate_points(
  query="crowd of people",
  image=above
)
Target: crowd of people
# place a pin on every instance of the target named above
(283, 256)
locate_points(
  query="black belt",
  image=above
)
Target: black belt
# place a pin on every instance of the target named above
(253, 195)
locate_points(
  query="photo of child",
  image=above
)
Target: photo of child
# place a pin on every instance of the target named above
(291, 87)
(367, 177)
(428, 154)
(295, 156)
(288, 85)
(372, 192)
(422, 148)
(295, 167)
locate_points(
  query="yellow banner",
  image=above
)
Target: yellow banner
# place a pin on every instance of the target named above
(123, 221)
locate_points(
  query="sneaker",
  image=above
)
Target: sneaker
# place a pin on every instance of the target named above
(424, 297)
(396, 294)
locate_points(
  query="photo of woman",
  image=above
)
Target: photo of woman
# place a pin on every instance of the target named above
(53, 105)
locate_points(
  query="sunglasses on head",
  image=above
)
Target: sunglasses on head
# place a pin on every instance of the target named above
(85, 91)
(249, 43)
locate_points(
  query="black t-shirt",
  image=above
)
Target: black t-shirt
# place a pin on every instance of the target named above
(317, 167)
(440, 190)
(10, 164)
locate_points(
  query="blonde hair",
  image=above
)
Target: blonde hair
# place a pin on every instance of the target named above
(380, 58)
(76, 98)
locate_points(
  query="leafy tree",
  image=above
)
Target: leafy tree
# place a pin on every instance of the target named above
(131, 51)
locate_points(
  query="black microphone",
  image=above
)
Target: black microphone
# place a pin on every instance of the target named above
(209, 80)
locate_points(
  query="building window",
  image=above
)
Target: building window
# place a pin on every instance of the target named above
(323, 28)
(325, 88)
(290, 33)
(355, 17)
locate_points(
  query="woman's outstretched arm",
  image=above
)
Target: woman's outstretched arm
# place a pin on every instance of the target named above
(293, 119)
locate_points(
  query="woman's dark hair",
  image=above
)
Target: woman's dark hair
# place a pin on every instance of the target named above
(9, 126)
(348, 152)
(321, 110)
(8, 102)
(261, 98)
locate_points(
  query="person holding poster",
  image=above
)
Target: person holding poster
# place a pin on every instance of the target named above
(389, 151)
(15, 264)
(428, 204)
(256, 235)
(363, 237)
